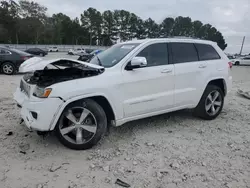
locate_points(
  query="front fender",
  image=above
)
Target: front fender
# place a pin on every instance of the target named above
(76, 98)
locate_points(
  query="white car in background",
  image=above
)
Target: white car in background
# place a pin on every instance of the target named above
(126, 82)
(241, 61)
(77, 51)
(53, 49)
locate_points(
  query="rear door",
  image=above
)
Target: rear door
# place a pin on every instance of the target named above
(188, 73)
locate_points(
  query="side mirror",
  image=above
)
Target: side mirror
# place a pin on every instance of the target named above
(137, 62)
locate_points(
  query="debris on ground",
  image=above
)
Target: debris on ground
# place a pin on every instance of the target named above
(9, 133)
(23, 152)
(54, 168)
(122, 183)
(244, 94)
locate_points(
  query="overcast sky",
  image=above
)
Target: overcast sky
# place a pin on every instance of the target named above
(231, 17)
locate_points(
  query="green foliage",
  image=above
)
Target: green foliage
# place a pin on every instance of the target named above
(27, 22)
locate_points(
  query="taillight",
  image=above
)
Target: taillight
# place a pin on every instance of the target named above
(24, 58)
(230, 64)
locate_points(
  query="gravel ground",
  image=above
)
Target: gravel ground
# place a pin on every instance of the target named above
(171, 150)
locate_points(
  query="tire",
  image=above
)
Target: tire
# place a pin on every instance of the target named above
(8, 68)
(95, 122)
(202, 110)
(237, 63)
(41, 54)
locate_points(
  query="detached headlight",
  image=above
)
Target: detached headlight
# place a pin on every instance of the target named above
(42, 92)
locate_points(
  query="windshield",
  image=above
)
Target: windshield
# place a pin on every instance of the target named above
(113, 55)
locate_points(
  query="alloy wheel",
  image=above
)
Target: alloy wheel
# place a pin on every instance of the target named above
(8, 69)
(213, 103)
(78, 125)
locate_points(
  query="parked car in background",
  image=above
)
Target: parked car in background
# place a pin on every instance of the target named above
(126, 82)
(89, 50)
(36, 51)
(77, 51)
(231, 57)
(11, 59)
(241, 61)
(53, 49)
(87, 57)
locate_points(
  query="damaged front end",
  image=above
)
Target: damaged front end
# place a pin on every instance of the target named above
(37, 109)
(56, 71)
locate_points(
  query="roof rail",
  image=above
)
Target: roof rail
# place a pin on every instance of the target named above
(184, 37)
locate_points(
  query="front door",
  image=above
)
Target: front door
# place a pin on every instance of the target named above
(149, 89)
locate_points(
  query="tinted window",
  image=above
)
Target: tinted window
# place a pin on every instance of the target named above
(246, 57)
(206, 52)
(4, 52)
(156, 54)
(184, 52)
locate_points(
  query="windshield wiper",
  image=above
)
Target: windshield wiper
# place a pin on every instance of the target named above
(99, 61)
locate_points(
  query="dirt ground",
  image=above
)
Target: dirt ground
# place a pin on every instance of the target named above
(167, 151)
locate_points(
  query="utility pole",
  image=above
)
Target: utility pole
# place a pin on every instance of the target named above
(242, 45)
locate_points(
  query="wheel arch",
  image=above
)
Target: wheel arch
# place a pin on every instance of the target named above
(221, 83)
(102, 100)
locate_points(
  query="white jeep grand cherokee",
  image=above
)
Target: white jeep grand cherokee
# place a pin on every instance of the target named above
(126, 82)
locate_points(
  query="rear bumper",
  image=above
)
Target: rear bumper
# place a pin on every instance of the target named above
(38, 114)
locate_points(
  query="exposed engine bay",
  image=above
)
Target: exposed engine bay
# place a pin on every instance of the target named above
(60, 71)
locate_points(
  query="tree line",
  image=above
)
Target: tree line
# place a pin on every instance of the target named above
(26, 22)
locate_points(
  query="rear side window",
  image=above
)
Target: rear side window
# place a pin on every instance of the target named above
(184, 52)
(207, 52)
(4, 52)
(156, 54)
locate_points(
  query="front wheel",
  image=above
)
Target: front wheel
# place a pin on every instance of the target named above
(81, 125)
(211, 103)
(237, 63)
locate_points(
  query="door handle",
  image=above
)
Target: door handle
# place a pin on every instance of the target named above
(166, 71)
(202, 66)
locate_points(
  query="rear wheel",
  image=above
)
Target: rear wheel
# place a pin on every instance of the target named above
(8, 68)
(211, 103)
(81, 125)
(41, 54)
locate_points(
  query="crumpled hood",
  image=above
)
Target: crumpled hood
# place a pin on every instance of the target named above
(37, 63)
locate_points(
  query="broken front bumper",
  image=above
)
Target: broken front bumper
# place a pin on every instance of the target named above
(38, 114)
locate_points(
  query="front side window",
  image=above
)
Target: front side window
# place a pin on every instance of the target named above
(184, 52)
(206, 52)
(156, 54)
(113, 55)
